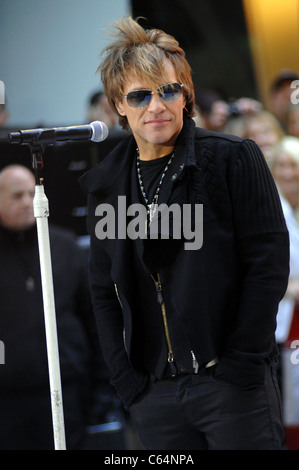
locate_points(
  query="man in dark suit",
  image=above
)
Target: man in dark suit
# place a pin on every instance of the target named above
(25, 407)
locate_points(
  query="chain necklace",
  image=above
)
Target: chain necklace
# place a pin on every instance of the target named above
(151, 207)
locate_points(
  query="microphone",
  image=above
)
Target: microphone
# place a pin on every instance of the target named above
(96, 131)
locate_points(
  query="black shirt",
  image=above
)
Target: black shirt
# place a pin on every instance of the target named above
(151, 172)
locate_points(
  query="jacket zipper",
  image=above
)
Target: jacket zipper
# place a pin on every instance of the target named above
(117, 295)
(195, 364)
(170, 356)
(121, 305)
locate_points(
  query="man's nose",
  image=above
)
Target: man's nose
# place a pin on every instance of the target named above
(156, 104)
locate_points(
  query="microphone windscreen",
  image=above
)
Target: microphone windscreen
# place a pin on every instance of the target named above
(100, 131)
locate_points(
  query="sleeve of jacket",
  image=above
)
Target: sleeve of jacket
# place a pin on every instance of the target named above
(263, 245)
(108, 313)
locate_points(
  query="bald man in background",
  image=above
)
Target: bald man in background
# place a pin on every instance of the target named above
(16, 198)
(25, 411)
(25, 408)
(88, 398)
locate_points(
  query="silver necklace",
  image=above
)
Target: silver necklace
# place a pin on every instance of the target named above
(151, 207)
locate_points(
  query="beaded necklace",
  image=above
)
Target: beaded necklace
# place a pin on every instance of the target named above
(151, 207)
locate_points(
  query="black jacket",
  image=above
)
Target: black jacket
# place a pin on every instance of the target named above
(223, 296)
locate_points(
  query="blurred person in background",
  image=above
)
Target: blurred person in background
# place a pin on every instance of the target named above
(284, 165)
(292, 120)
(4, 115)
(235, 126)
(213, 109)
(264, 129)
(280, 95)
(88, 400)
(217, 112)
(100, 110)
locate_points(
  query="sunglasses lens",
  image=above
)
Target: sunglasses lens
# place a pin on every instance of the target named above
(139, 98)
(170, 92)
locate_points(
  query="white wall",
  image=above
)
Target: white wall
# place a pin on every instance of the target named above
(49, 53)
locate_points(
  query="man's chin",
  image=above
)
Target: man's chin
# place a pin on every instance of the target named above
(23, 227)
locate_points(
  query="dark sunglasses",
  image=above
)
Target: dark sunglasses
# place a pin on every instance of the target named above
(167, 93)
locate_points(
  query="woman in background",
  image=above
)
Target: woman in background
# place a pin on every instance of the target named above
(284, 165)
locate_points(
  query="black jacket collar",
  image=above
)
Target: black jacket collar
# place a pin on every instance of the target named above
(101, 179)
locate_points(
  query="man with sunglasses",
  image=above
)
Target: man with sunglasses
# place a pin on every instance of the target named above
(188, 334)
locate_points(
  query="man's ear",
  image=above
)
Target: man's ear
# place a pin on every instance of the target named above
(120, 108)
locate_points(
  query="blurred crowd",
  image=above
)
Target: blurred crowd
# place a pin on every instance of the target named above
(95, 418)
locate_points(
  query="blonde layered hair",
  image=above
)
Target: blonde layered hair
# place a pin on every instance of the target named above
(289, 145)
(142, 52)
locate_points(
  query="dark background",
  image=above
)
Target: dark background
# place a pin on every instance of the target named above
(214, 37)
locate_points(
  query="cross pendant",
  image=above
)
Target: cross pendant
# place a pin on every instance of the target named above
(152, 209)
(151, 212)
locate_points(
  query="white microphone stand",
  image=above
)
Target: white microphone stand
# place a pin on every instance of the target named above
(41, 213)
(37, 141)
